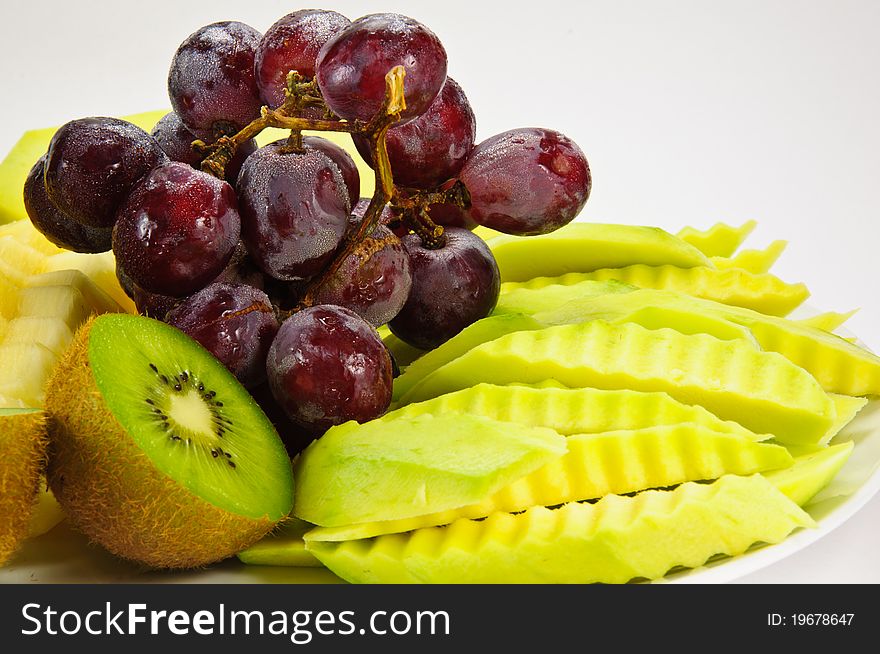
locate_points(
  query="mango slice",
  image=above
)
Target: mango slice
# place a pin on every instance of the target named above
(584, 247)
(412, 466)
(573, 410)
(754, 261)
(482, 331)
(764, 293)
(601, 464)
(720, 240)
(520, 299)
(614, 540)
(846, 408)
(837, 364)
(810, 473)
(828, 321)
(762, 391)
(284, 547)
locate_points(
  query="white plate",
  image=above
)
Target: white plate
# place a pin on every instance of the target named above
(63, 556)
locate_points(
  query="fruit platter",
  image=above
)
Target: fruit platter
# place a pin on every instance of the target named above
(304, 327)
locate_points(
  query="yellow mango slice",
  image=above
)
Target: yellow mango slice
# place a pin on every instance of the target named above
(828, 321)
(584, 247)
(811, 472)
(412, 466)
(837, 364)
(755, 261)
(846, 408)
(764, 293)
(282, 547)
(614, 540)
(572, 410)
(596, 465)
(720, 240)
(762, 391)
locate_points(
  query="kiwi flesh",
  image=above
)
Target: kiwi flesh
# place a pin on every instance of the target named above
(158, 453)
(22, 460)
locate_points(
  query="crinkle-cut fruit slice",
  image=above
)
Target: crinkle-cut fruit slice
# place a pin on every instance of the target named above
(26, 366)
(828, 321)
(846, 409)
(762, 391)
(53, 333)
(158, 453)
(283, 547)
(754, 261)
(612, 541)
(810, 473)
(30, 147)
(387, 470)
(765, 293)
(720, 240)
(22, 460)
(596, 465)
(687, 322)
(572, 410)
(20, 256)
(482, 331)
(838, 365)
(530, 301)
(584, 247)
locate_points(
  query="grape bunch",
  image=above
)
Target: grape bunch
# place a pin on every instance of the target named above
(268, 256)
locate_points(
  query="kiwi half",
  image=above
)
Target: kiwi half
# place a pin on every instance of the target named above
(158, 453)
(22, 460)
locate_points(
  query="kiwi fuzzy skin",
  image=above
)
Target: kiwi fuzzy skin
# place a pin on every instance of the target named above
(22, 460)
(112, 492)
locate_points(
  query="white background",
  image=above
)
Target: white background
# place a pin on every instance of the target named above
(689, 112)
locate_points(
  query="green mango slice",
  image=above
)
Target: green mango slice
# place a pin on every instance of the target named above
(572, 410)
(24, 154)
(720, 240)
(482, 331)
(837, 364)
(596, 465)
(531, 301)
(614, 540)
(387, 470)
(764, 293)
(811, 472)
(754, 261)
(762, 391)
(584, 247)
(284, 547)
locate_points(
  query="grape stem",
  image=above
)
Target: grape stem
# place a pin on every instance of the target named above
(412, 205)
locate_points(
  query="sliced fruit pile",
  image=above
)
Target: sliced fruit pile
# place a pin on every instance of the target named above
(652, 406)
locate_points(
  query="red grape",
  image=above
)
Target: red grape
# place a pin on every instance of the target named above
(343, 160)
(211, 82)
(294, 209)
(351, 66)
(235, 323)
(177, 230)
(431, 149)
(452, 287)
(373, 281)
(176, 141)
(60, 229)
(327, 366)
(450, 215)
(526, 181)
(92, 165)
(293, 43)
